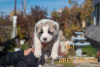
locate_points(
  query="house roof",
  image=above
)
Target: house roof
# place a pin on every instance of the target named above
(60, 10)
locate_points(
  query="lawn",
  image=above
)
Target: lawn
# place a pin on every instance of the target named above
(89, 50)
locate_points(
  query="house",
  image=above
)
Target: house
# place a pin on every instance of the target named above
(59, 12)
(96, 12)
(92, 32)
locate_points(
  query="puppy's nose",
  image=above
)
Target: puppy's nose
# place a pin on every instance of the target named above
(45, 39)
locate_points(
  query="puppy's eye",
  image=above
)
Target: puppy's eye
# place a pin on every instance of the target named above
(41, 32)
(51, 33)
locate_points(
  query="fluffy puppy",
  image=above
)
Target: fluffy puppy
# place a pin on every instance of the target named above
(46, 33)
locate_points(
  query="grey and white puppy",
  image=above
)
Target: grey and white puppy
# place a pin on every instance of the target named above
(46, 32)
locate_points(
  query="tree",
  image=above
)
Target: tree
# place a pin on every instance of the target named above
(12, 14)
(86, 10)
(26, 25)
(38, 13)
(5, 29)
(54, 15)
(73, 2)
(72, 18)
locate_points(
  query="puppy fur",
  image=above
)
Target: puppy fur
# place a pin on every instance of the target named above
(46, 32)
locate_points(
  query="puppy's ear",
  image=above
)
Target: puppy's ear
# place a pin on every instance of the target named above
(39, 26)
(55, 26)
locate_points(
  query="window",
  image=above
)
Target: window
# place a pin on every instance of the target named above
(97, 14)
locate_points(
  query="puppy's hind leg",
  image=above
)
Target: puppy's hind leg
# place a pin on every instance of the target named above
(42, 61)
(52, 62)
(44, 57)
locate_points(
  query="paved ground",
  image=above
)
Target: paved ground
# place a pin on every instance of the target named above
(76, 65)
(56, 65)
(79, 64)
(88, 65)
(88, 62)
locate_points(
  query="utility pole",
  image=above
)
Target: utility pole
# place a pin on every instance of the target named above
(24, 7)
(15, 8)
(2, 14)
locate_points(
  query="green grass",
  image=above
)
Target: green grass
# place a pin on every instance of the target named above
(25, 46)
(12, 50)
(89, 50)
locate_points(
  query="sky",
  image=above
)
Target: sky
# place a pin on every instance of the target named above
(8, 5)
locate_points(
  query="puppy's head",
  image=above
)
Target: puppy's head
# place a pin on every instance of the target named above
(46, 31)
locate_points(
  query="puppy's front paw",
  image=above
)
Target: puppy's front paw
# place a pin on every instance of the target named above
(54, 55)
(37, 54)
(40, 65)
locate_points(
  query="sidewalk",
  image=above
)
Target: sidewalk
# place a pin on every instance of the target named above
(85, 64)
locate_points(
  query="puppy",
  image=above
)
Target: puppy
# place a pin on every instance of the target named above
(46, 33)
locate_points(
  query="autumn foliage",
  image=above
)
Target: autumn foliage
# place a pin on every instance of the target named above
(5, 29)
(26, 25)
(72, 18)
